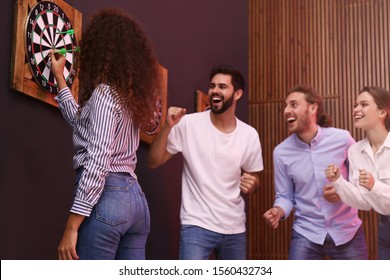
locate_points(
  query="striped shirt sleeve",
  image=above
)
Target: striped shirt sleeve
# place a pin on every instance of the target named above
(68, 106)
(103, 119)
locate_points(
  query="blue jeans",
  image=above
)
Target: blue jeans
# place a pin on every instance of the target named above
(384, 237)
(119, 224)
(302, 248)
(197, 243)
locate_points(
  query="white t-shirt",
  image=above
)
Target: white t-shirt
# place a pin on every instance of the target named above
(213, 163)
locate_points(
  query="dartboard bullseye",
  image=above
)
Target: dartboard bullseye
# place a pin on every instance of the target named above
(47, 28)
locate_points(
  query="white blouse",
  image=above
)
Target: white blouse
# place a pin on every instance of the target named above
(361, 156)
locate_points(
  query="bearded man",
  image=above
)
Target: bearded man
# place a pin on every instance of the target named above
(222, 160)
(323, 225)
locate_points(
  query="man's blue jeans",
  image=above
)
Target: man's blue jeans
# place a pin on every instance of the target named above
(302, 248)
(119, 224)
(197, 243)
(384, 237)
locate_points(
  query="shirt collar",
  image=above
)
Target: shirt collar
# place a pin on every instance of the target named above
(365, 146)
(317, 138)
(387, 141)
(314, 141)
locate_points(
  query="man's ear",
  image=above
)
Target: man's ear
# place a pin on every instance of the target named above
(238, 94)
(314, 108)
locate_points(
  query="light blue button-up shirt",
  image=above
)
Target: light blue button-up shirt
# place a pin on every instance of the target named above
(299, 181)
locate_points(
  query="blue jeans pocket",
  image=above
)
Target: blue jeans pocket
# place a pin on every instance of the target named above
(114, 206)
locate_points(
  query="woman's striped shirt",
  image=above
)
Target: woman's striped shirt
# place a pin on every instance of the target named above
(105, 140)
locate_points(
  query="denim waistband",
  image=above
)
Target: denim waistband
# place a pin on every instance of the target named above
(384, 219)
(116, 177)
(112, 178)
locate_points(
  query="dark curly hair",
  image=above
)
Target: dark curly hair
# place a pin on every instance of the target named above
(116, 51)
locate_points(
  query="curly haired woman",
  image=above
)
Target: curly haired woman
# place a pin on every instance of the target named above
(118, 85)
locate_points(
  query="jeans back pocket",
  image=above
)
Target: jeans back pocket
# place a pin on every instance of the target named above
(114, 205)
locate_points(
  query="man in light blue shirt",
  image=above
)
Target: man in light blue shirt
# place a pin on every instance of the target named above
(323, 226)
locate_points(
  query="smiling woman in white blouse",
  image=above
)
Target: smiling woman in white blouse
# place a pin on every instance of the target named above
(369, 163)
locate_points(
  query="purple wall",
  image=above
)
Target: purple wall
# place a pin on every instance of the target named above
(36, 176)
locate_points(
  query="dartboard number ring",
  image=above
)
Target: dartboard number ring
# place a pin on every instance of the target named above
(156, 121)
(47, 28)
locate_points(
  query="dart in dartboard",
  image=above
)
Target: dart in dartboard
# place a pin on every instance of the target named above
(48, 28)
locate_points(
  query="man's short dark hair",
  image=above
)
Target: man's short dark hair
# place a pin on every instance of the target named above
(238, 80)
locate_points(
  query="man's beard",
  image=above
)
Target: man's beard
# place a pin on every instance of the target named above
(302, 124)
(226, 104)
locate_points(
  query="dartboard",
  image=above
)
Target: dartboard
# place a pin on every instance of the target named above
(47, 28)
(156, 121)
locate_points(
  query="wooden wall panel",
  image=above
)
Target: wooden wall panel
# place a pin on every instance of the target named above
(337, 46)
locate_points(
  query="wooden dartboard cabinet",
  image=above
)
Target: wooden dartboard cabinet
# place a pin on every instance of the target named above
(21, 77)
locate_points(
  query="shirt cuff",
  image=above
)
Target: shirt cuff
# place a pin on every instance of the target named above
(338, 181)
(81, 207)
(63, 95)
(286, 206)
